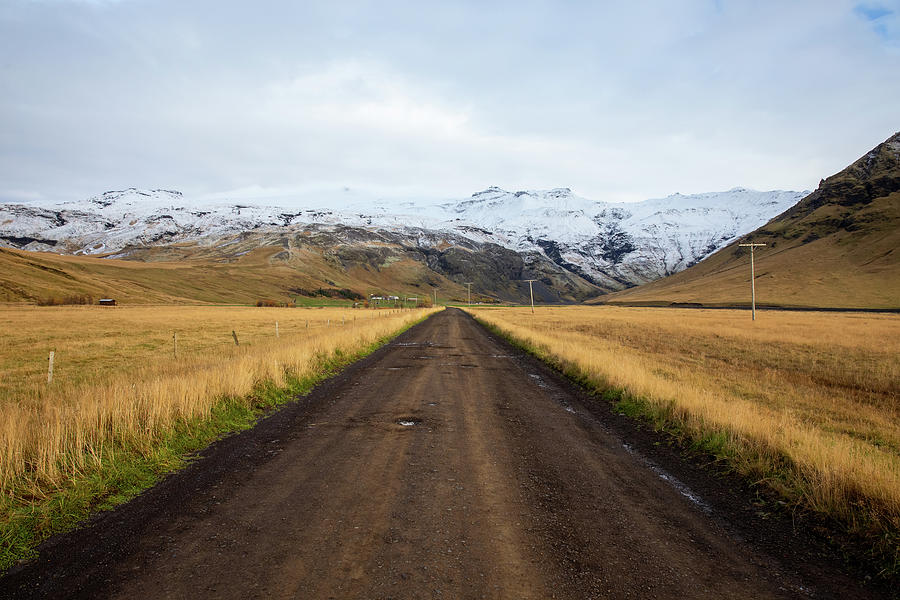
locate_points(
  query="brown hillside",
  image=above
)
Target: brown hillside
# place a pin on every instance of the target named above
(835, 248)
(279, 264)
(258, 274)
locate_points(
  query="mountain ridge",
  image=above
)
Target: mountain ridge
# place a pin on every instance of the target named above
(610, 246)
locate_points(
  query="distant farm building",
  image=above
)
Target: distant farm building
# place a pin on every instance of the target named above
(379, 300)
(106, 302)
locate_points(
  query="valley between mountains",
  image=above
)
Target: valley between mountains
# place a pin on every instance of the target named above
(832, 248)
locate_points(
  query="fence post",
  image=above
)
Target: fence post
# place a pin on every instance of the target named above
(234, 335)
(50, 368)
(276, 328)
(174, 345)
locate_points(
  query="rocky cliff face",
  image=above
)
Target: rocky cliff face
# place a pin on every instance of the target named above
(874, 176)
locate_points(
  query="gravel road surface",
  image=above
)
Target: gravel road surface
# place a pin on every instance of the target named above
(445, 465)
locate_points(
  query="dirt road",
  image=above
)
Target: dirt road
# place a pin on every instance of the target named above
(447, 465)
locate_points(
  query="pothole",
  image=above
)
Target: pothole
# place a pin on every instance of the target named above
(421, 345)
(408, 421)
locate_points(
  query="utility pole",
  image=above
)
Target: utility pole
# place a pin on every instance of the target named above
(531, 291)
(469, 283)
(752, 279)
(435, 298)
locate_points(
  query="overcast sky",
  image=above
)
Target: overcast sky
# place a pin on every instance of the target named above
(616, 100)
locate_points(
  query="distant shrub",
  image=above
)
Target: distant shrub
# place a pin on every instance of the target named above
(349, 294)
(329, 293)
(267, 302)
(62, 300)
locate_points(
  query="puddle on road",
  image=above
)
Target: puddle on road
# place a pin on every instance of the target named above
(408, 421)
(680, 487)
(556, 397)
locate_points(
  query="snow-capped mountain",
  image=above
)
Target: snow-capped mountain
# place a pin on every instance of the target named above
(612, 245)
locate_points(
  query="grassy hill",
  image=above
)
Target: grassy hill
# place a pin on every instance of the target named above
(280, 265)
(835, 248)
(256, 275)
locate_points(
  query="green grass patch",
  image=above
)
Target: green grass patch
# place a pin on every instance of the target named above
(317, 301)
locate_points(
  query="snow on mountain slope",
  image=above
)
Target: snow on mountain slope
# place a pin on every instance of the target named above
(612, 245)
(624, 243)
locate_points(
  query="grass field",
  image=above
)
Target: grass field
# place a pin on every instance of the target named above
(806, 403)
(121, 398)
(92, 343)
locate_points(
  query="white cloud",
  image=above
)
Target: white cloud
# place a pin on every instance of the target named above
(617, 101)
(350, 94)
(17, 196)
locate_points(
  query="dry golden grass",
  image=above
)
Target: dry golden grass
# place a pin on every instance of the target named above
(116, 380)
(810, 399)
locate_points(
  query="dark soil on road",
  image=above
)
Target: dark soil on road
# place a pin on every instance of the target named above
(445, 465)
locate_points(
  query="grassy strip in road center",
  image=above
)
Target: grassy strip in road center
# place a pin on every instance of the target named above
(123, 467)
